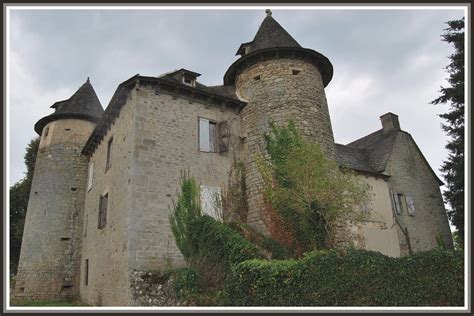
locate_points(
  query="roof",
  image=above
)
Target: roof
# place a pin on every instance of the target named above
(371, 153)
(223, 95)
(83, 104)
(272, 41)
(270, 35)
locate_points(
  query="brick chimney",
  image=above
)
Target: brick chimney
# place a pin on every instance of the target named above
(390, 122)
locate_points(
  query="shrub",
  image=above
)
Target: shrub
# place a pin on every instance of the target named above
(352, 278)
(220, 243)
(185, 211)
(308, 191)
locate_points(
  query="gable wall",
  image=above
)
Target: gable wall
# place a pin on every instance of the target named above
(410, 175)
(106, 248)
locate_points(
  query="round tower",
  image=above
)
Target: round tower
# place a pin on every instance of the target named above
(280, 81)
(50, 251)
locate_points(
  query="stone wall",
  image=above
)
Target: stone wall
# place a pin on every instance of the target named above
(106, 249)
(411, 176)
(50, 252)
(165, 144)
(280, 90)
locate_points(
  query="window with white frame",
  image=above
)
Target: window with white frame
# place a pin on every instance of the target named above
(211, 202)
(207, 135)
(90, 175)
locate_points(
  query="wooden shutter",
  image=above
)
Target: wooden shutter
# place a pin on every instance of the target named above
(223, 136)
(410, 205)
(396, 202)
(204, 135)
(99, 218)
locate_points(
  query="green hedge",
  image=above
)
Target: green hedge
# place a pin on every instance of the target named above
(353, 278)
(218, 242)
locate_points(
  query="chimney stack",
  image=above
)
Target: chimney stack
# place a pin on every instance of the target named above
(390, 122)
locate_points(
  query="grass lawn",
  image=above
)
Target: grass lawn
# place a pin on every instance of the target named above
(47, 303)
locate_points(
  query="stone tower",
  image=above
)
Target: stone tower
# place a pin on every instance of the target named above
(281, 81)
(50, 252)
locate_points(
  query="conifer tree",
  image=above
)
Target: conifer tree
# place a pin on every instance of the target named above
(453, 95)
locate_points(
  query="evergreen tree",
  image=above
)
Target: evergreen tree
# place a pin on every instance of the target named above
(19, 195)
(453, 167)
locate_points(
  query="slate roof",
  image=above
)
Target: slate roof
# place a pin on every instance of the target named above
(270, 35)
(368, 154)
(83, 104)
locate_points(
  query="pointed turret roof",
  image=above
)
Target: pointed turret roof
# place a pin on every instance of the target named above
(84, 104)
(273, 41)
(270, 35)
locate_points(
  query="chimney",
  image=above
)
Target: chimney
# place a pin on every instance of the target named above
(390, 122)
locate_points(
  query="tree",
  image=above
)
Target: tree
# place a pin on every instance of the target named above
(309, 191)
(453, 167)
(19, 195)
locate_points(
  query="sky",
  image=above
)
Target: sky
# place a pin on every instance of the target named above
(384, 61)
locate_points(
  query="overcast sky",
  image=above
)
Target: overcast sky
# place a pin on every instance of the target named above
(384, 61)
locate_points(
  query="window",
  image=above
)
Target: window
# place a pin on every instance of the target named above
(207, 135)
(397, 201)
(211, 202)
(108, 162)
(46, 131)
(223, 133)
(90, 174)
(103, 203)
(86, 272)
(410, 205)
(189, 81)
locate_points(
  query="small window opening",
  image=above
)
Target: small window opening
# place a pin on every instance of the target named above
(90, 174)
(65, 238)
(189, 81)
(295, 71)
(67, 129)
(22, 290)
(397, 201)
(73, 189)
(66, 286)
(257, 77)
(108, 162)
(103, 204)
(86, 272)
(46, 131)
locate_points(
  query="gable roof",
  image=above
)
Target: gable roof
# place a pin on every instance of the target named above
(371, 153)
(83, 104)
(269, 35)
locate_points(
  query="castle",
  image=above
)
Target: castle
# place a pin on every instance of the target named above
(103, 181)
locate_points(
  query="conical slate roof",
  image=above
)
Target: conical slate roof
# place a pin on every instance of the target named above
(273, 41)
(83, 104)
(270, 35)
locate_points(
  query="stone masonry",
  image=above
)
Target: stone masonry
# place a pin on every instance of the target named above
(280, 90)
(51, 248)
(97, 226)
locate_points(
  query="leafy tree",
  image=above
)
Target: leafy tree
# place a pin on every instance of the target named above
(308, 190)
(453, 167)
(19, 195)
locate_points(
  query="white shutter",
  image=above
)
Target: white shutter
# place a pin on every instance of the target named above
(204, 144)
(90, 174)
(411, 205)
(211, 202)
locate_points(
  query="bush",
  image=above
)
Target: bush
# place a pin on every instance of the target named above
(353, 278)
(220, 243)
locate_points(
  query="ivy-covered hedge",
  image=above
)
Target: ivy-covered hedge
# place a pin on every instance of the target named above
(352, 278)
(220, 243)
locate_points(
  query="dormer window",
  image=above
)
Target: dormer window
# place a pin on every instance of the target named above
(189, 81)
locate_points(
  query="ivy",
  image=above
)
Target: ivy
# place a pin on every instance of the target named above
(349, 278)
